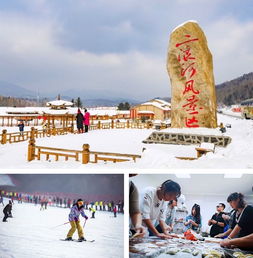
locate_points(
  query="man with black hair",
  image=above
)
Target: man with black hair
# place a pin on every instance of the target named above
(74, 214)
(153, 205)
(217, 221)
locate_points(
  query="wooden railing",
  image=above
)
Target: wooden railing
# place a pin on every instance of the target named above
(84, 155)
(121, 125)
(26, 135)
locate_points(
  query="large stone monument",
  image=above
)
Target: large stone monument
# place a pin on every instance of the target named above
(190, 67)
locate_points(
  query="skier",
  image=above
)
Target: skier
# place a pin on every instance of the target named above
(42, 203)
(1, 200)
(115, 211)
(93, 212)
(7, 211)
(74, 214)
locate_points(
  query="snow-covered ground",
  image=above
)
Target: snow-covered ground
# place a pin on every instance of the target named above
(32, 233)
(238, 154)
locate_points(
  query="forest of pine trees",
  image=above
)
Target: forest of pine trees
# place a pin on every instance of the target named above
(19, 102)
(235, 91)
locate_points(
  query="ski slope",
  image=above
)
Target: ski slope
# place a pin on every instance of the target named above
(32, 233)
(238, 154)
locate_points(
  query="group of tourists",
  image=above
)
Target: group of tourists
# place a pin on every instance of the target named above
(153, 214)
(82, 121)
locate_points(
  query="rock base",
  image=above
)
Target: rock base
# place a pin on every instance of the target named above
(187, 139)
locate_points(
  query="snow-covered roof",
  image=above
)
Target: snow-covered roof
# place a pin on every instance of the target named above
(59, 103)
(4, 111)
(161, 104)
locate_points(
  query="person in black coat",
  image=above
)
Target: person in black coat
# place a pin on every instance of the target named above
(7, 211)
(21, 127)
(79, 121)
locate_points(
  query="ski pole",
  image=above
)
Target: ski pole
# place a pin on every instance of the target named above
(84, 223)
(61, 224)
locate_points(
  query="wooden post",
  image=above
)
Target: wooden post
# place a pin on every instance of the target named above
(32, 133)
(112, 124)
(86, 154)
(31, 149)
(127, 123)
(72, 127)
(4, 137)
(54, 130)
(99, 125)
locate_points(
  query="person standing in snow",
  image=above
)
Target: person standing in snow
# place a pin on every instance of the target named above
(74, 214)
(115, 211)
(1, 200)
(7, 211)
(79, 121)
(21, 127)
(86, 120)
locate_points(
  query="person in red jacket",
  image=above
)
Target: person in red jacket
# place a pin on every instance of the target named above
(115, 211)
(86, 120)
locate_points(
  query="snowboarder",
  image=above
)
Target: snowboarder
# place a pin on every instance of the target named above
(7, 211)
(79, 121)
(93, 212)
(21, 127)
(86, 120)
(115, 211)
(74, 214)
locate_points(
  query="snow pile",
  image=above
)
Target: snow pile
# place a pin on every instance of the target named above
(32, 233)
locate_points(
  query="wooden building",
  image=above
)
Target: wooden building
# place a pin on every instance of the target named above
(155, 109)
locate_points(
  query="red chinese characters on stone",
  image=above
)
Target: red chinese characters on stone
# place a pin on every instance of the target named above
(191, 122)
(188, 70)
(187, 41)
(189, 86)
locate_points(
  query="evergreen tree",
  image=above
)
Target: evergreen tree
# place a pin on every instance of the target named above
(79, 103)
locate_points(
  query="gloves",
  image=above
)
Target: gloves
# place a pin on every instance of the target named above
(85, 217)
(75, 219)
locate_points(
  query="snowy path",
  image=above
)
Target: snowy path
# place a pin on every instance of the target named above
(31, 234)
(238, 154)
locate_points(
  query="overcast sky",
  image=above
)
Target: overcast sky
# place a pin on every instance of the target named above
(115, 47)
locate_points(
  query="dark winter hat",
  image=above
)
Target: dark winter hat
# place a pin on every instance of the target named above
(80, 200)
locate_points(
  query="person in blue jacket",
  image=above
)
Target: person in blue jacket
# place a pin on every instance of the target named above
(76, 210)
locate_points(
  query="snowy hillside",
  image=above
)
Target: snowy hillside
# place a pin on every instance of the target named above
(32, 233)
(238, 154)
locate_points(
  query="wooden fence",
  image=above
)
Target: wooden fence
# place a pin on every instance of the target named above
(14, 137)
(121, 125)
(34, 133)
(84, 155)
